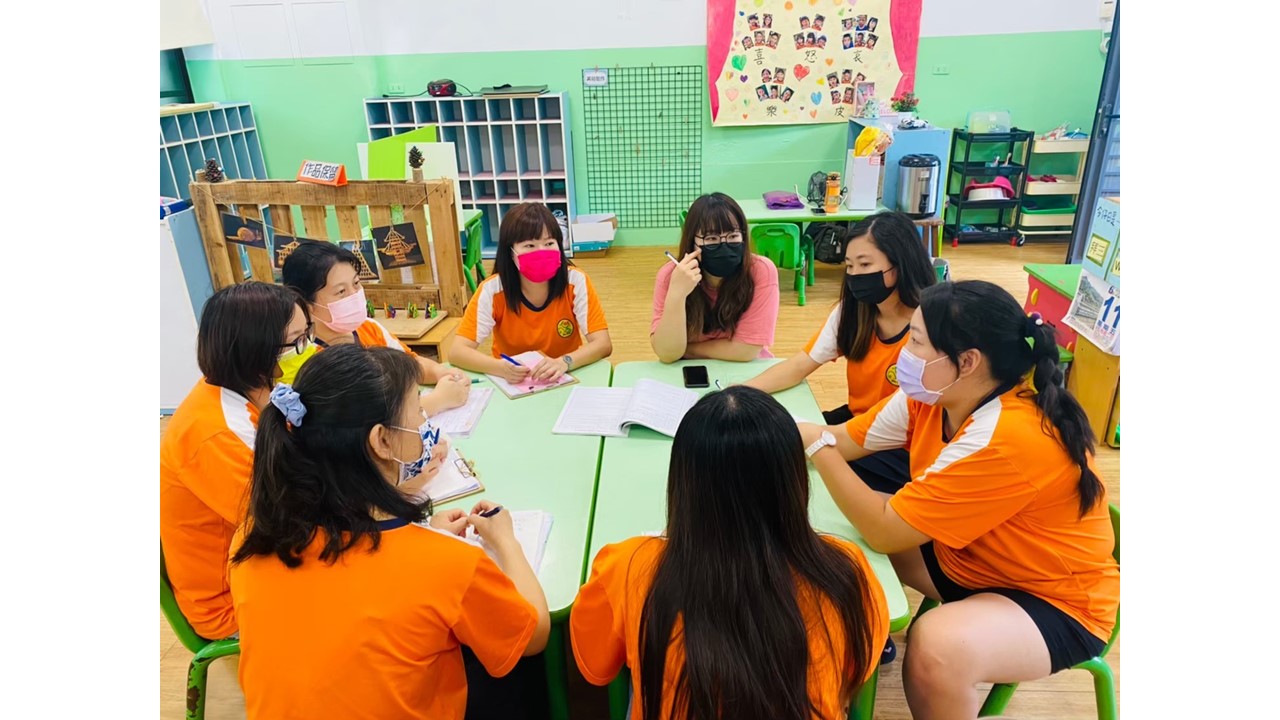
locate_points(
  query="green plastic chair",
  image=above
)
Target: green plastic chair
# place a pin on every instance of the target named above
(473, 263)
(1104, 683)
(683, 214)
(780, 242)
(206, 651)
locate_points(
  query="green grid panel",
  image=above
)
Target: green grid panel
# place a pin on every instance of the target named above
(644, 143)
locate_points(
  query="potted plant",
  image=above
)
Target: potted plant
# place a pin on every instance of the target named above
(415, 163)
(905, 105)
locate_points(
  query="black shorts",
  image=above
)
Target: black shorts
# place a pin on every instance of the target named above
(885, 471)
(1068, 642)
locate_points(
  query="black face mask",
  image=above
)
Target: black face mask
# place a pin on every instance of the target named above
(867, 287)
(723, 259)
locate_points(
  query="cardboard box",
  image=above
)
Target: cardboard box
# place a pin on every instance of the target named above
(593, 233)
(863, 181)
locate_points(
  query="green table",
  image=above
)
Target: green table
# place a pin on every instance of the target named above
(1062, 278)
(756, 212)
(632, 490)
(525, 467)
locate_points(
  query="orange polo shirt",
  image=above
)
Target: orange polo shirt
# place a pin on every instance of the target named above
(206, 459)
(372, 334)
(604, 626)
(554, 330)
(378, 633)
(870, 379)
(1000, 501)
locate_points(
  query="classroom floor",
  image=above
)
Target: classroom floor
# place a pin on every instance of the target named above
(624, 281)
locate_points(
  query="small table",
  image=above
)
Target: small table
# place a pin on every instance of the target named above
(755, 210)
(525, 467)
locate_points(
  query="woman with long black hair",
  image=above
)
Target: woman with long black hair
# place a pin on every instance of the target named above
(1005, 519)
(740, 610)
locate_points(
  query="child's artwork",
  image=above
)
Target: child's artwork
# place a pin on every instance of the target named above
(398, 245)
(284, 246)
(777, 62)
(365, 255)
(242, 231)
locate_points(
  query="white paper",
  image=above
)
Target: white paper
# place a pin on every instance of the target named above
(530, 360)
(531, 527)
(452, 480)
(461, 421)
(612, 411)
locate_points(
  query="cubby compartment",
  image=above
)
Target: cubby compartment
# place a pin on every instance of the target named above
(464, 190)
(169, 130)
(209, 147)
(187, 126)
(401, 113)
(549, 108)
(219, 118)
(168, 188)
(484, 191)
(531, 190)
(227, 156)
(246, 117)
(551, 141)
(204, 123)
(473, 111)
(500, 110)
(224, 133)
(450, 112)
(555, 189)
(379, 133)
(524, 110)
(528, 157)
(233, 119)
(508, 190)
(424, 113)
(479, 149)
(505, 159)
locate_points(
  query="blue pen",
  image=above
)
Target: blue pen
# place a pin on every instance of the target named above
(491, 512)
(475, 380)
(510, 359)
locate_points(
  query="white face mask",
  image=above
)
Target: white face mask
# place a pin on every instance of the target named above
(911, 378)
(411, 469)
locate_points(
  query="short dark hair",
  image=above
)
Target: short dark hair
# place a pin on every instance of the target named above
(307, 267)
(522, 223)
(318, 479)
(241, 330)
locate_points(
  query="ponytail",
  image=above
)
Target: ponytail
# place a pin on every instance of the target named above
(975, 314)
(1061, 411)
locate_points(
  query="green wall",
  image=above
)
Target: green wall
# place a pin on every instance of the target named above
(308, 110)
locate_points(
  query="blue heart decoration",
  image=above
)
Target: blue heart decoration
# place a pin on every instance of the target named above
(816, 98)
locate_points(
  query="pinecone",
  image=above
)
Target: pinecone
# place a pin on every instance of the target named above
(415, 157)
(213, 173)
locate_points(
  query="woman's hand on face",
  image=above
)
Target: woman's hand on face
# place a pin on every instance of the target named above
(453, 521)
(686, 276)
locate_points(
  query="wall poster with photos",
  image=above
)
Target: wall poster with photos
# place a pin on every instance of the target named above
(782, 62)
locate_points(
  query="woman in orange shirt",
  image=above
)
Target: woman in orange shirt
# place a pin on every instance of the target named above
(350, 605)
(327, 276)
(206, 452)
(535, 300)
(886, 268)
(1005, 519)
(740, 610)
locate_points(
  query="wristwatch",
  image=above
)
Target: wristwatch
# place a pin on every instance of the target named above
(827, 440)
(568, 361)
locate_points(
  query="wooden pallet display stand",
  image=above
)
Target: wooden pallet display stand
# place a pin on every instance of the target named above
(245, 197)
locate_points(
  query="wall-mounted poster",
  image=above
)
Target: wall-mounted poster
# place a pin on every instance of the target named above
(780, 62)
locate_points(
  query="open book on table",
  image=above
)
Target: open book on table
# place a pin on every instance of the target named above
(528, 386)
(461, 421)
(532, 528)
(612, 411)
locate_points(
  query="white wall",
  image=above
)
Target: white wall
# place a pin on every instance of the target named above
(264, 29)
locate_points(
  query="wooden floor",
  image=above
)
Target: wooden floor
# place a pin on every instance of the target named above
(624, 281)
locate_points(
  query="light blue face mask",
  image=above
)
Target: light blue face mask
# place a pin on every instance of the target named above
(911, 378)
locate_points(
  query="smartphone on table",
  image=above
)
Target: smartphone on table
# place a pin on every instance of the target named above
(695, 376)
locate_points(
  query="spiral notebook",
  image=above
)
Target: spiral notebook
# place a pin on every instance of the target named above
(461, 421)
(529, 387)
(532, 528)
(612, 411)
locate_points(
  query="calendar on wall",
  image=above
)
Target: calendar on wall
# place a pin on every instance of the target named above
(781, 62)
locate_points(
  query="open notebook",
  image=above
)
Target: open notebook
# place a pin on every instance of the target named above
(456, 479)
(612, 411)
(532, 527)
(461, 421)
(528, 387)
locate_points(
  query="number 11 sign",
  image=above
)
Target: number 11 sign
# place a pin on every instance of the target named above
(1095, 312)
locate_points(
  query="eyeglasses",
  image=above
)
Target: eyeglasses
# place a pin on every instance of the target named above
(714, 240)
(300, 345)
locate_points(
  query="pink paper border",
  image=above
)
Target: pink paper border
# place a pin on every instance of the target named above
(720, 15)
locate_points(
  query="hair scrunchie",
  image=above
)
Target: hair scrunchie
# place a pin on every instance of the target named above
(287, 400)
(1034, 321)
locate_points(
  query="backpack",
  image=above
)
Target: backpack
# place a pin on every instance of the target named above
(817, 188)
(829, 241)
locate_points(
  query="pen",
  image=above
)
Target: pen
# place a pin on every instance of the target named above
(671, 257)
(718, 384)
(491, 512)
(475, 380)
(510, 359)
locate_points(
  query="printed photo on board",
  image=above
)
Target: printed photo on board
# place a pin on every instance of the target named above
(822, 41)
(848, 96)
(871, 41)
(810, 40)
(240, 231)
(759, 37)
(832, 81)
(365, 255)
(779, 75)
(863, 92)
(799, 41)
(746, 43)
(768, 20)
(398, 245)
(835, 97)
(862, 23)
(786, 95)
(846, 24)
(762, 93)
(773, 92)
(860, 40)
(766, 75)
(846, 77)
(773, 39)
(817, 22)
(753, 21)
(871, 24)
(804, 22)
(847, 41)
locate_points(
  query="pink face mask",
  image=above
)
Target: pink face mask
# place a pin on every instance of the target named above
(348, 313)
(539, 265)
